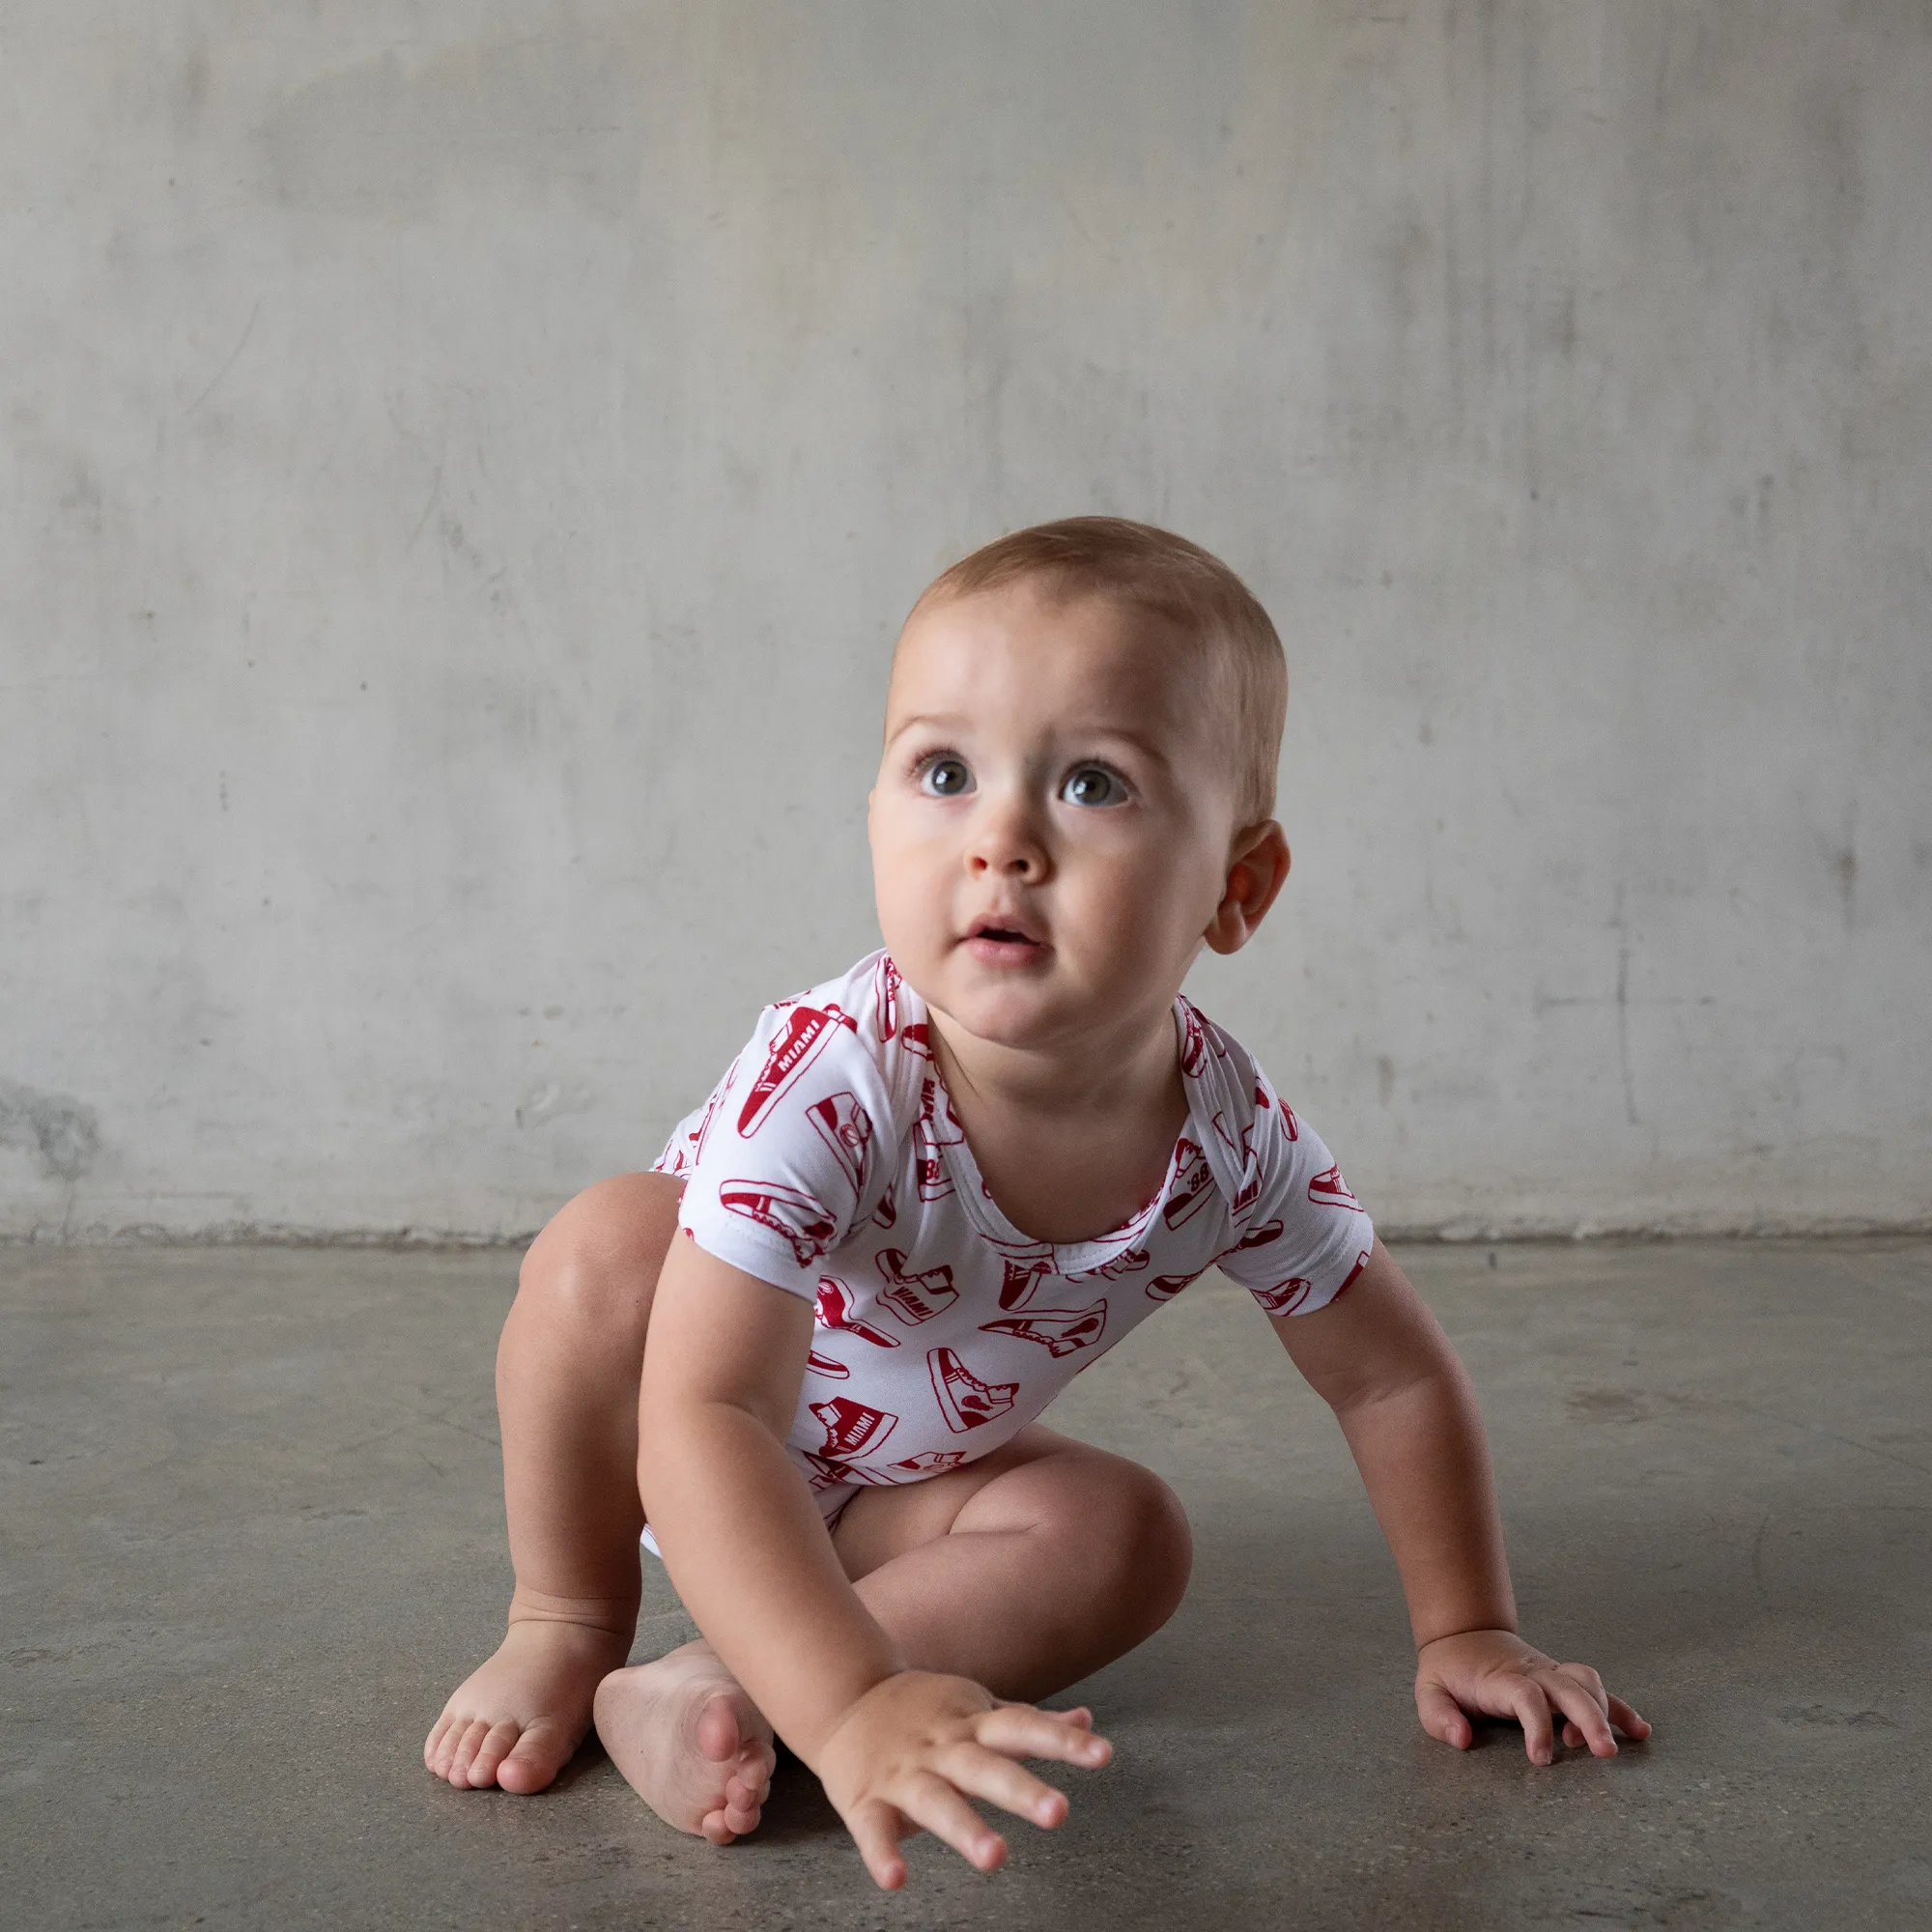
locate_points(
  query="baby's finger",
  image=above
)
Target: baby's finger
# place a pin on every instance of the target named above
(1020, 1730)
(1626, 1721)
(999, 1781)
(1442, 1718)
(1587, 1678)
(876, 1828)
(1531, 1710)
(928, 1799)
(1583, 1711)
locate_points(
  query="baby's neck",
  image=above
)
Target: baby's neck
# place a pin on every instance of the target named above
(1071, 1145)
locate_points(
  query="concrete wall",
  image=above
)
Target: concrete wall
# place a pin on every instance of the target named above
(463, 465)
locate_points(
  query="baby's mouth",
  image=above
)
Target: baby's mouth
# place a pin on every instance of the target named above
(1001, 943)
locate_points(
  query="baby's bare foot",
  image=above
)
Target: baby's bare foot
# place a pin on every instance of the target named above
(693, 1746)
(516, 1721)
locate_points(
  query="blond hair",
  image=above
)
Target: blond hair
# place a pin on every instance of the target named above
(1188, 588)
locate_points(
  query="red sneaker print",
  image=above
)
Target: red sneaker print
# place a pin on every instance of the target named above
(929, 1164)
(938, 1128)
(1244, 1153)
(917, 1038)
(789, 1211)
(826, 1474)
(800, 1041)
(824, 1365)
(1257, 1237)
(886, 1212)
(1193, 1041)
(1287, 1119)
(965, 1400)
(1165, 1287)
(1354, 1274)
(835, 1303)
(914, 1297)
(1330, 1186)
(1129, 1260)
(886, 984)
(936, 1115)
(1192, 1183)
(1200, 1036)
(851, 1428)
(1022, 1281)
(1285, 1297)
(930, 1461)
(1061, 1331)
(846, 1128)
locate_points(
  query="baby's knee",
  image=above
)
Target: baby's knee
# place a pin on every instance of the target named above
(597, 1259)
(1142, 1540)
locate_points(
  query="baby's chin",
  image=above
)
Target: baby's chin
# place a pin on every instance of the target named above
(1020, 1007)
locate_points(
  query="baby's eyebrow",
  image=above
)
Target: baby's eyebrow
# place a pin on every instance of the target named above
(1095, 733)
(940, 721)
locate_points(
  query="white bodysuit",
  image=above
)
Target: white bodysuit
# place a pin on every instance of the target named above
(828, 1162)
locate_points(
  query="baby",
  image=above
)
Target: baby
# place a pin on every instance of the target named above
(925, 1197)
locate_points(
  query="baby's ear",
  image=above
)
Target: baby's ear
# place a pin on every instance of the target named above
(1257, 870)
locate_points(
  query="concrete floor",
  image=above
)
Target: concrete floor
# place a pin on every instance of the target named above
(252, 1536)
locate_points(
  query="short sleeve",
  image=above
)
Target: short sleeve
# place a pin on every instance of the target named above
(1302, 1236)
(789, 1151)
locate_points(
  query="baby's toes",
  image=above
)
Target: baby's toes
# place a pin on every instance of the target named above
(465, 1738)
(540, 1752)
(495, 1746)
(717, 1828)
(743, 1796)
(435, 1747)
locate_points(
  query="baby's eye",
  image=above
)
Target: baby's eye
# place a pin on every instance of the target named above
(944, 777)
(1092, 785)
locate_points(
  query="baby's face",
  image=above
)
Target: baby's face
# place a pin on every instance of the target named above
(1053, 815)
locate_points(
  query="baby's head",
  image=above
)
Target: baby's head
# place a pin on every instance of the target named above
(1081, 736)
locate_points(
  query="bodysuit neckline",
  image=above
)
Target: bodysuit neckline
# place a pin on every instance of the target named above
(1065, 1258)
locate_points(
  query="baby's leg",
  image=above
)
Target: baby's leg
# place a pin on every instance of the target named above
(567, 1376)
(1025, 1572)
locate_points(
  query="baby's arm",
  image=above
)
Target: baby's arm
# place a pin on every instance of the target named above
(1383, 1364)
(895, 1748)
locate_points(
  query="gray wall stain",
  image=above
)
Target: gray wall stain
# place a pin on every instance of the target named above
(535, 115)
(64, 1133)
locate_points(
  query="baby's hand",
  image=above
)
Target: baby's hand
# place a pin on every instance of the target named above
(902, 1755)
(1496, 1673)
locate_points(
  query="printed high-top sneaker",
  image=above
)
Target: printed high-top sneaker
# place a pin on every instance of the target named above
(1285, 1297)
(1259, 1238)
(846, 1128)
(915, 1297)
(965, 1400)
(1328, 1185)
(1165, 1287)
(794, 1047)
(851, 1428)
(789, 1211)
(1192, 1179)
(835, 1304)
(1022, 1280)
(1060, 1330)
